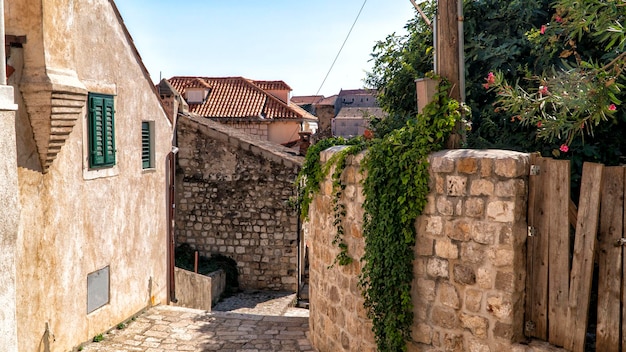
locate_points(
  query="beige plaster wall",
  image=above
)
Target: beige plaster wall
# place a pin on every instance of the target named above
(283, 131)
(9, 220)
(74, 220)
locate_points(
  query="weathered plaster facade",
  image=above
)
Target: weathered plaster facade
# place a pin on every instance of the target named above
(9, 220)
(75, 220)
(233, 195)
(468, 289)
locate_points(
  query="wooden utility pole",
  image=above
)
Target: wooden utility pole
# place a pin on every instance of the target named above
(448, 44)
(448, 60)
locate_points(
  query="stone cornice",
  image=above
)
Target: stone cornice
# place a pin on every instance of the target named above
(54, 102)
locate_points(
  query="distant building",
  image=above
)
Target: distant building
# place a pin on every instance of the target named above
(352, 122)
(356, 98)
(260, 108)
(346, 114)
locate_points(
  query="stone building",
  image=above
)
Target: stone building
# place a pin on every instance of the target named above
(260, 108)
(83, 186)
(234, 197)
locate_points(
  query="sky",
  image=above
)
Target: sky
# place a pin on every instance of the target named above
(294, 41)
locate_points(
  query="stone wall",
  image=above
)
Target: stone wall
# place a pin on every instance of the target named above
(468, 290)
(337, 319)
(253, 128)
(233, 198)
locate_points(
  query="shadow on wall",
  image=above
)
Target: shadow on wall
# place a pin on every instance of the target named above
(185, 259)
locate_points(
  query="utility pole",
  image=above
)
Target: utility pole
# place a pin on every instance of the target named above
(447, 46)
(450, 56)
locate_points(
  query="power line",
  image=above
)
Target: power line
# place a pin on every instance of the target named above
(340, 49)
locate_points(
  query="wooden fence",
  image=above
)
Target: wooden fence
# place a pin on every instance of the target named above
(565, 244)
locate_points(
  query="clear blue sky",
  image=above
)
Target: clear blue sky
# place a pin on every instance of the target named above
(291, 40)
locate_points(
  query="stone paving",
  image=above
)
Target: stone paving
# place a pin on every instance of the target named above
(254, 322)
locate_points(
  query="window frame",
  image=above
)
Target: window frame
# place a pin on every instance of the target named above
(147, 145)
(101, 130)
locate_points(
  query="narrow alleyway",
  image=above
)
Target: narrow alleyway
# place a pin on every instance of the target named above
(251, 322)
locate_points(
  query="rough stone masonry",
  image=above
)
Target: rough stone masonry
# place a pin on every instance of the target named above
(233, 198)
(469, 263)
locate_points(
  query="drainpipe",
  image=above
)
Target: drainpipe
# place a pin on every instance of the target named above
(300, 268)
(171, 184)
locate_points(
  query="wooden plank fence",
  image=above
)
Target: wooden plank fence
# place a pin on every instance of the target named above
(560, 276)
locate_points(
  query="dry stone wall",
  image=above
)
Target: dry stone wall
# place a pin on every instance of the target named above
(233, 198)
(468, 290)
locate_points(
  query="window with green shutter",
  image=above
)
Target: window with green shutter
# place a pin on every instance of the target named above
(147, 142)
(101, 130)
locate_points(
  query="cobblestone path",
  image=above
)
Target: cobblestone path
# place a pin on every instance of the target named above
(267, 326)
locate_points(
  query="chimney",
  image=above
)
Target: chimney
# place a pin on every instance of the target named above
(305, 142)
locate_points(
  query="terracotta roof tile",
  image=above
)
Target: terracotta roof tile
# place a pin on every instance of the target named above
(235, 97)
(307, 99)
(372, 92)
(272, 85)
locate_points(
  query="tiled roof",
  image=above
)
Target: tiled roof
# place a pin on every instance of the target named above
(307, 99)
(272, 85)
(235, 97)
(305, 114)
(328, 100)
(371, 92)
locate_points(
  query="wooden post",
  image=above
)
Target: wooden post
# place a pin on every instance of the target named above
(447, 54)
(448, 44)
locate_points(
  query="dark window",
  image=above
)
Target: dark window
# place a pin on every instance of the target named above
(101, 130)
(147, 141)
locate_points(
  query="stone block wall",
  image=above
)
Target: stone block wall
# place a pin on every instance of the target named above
(253, 128)
(337, 319)
(468, 290)
(470, 259)
(233, 198)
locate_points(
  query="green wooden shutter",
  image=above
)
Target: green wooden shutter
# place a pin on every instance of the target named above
(109, 131)
(145, 145)
(101, 130)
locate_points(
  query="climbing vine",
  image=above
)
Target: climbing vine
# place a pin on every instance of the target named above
(395, 189)
(312, 174)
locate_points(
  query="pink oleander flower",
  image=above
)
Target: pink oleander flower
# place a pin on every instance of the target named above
(564, 148)
(539, 124)
(543, 90)
(491, 79)
(543, 29)
(612, 107)
(558, 19)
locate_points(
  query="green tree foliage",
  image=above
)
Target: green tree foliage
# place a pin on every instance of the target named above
(397, 62)
(573, 98)
(565, 45)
